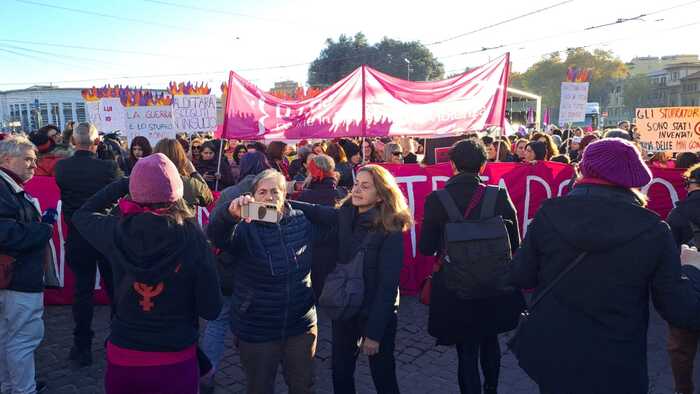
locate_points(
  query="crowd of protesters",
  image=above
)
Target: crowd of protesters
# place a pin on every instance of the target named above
(593, 258)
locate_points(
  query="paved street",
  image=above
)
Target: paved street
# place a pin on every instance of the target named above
(422, 367)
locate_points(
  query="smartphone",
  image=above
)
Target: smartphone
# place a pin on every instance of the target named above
(262, 212)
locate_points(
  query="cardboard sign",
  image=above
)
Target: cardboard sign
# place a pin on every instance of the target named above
(153, 122)
(669, 129)
(572, 105)
(192, 114)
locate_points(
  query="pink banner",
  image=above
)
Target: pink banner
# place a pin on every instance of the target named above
(528, 186)
(368, 103)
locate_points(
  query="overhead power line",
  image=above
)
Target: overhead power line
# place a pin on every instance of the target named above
(110, 50)
(103, 15)
(500, 23)
(640, 16)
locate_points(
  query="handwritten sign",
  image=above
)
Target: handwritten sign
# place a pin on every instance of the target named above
(572, 105)
(112, 115)
(192, 114)
(92, 108)
(669, 129)
(153, 122)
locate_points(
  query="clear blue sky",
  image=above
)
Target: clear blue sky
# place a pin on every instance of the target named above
(243, 35)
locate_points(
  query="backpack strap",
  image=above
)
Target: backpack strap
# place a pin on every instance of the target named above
(488, 202)
(449, 204)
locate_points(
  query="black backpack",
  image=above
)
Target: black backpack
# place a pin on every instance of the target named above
(344, 289)
(477, 253)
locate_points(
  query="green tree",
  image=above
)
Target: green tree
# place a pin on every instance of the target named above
(341, 57)
(545, 77)
(637, 92)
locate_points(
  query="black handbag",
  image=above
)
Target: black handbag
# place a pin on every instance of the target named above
(514, 342)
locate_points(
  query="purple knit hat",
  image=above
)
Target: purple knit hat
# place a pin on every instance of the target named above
(617, 161)
(155, 179)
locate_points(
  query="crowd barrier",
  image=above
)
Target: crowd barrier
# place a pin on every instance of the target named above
(528, 186)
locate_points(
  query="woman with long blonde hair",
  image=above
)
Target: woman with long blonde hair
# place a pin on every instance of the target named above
(371, 219)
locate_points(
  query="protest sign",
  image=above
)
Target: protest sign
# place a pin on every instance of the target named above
(153, 122)
(112, 115)
(572, 105)
(193, 114)
(92, 110)
(671, 129)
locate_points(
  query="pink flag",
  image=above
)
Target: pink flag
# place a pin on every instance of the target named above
(370, 103)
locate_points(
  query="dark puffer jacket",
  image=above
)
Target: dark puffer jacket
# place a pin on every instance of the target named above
(589, 334)
(22, 236)
(272, 297)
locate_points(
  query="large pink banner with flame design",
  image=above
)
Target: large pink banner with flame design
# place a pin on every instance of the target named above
(368, 103)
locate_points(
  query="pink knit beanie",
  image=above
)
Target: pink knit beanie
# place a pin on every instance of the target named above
(617, 161)
(155, 179)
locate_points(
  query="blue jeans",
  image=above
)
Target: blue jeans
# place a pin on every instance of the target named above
(214, 334)
(22, 329)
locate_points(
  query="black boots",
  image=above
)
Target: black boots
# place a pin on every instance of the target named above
(81, 356)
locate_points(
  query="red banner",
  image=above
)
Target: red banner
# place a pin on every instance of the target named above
(528, 186)
(369, 103)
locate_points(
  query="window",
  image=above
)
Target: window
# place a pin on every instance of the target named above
(25, 117)
(67, 112)
(80, 112)
(44, 119)
(674, 75)
(56, 115)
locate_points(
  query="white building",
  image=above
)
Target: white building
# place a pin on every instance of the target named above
(34, 107)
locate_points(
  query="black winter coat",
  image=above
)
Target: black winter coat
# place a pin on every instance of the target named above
(453, 320)
(272, 297)
(383, 259)
(346, 174)
(81, 176)
(151, 254)
(589, 334)
(209, 167)
(325, 255)
(23, 236)
(679, 218)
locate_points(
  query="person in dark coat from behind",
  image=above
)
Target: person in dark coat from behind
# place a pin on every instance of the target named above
(323, 190)
(589, 333)
(79, 178)
(472, 325)
(164, 279)
(683, 343)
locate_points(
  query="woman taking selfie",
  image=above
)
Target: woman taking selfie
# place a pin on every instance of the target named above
(371, 219)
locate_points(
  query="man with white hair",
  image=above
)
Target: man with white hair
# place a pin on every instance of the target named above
(24, 237)
(79, 177)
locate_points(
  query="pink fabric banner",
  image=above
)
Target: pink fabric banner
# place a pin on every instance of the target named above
(368, 103)
(528, 186)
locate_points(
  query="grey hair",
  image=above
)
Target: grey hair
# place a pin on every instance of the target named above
(324, 162)
(391, 148)
(269, 174)
(14, 146)
(84, 134)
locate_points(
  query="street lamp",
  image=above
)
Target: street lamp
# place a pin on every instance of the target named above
(408, 68)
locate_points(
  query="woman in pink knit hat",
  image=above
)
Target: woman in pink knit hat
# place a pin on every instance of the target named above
(164, 279)
(593, 258)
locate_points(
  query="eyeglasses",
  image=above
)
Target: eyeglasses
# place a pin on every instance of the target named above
(196, 148)
(396, 153)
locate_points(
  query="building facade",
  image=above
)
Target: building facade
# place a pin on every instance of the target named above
(665, 74)
(34, 107)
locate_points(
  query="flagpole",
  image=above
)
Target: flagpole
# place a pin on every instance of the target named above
(218, 165)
